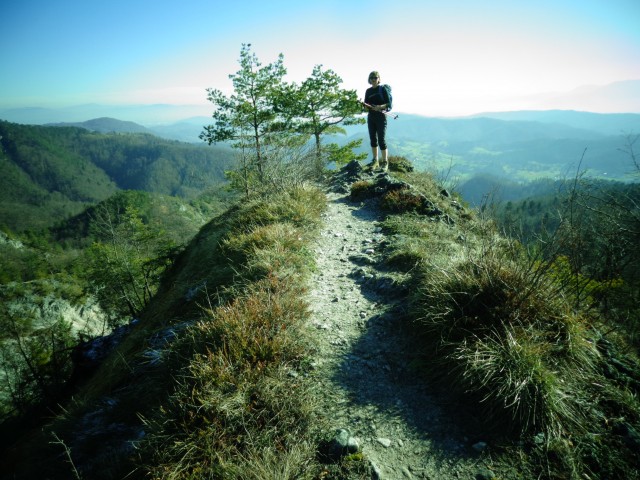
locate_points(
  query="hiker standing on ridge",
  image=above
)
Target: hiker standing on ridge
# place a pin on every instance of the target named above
(377, 100)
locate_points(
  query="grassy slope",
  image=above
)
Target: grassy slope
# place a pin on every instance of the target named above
(550, 388)
(509, 339)
(231, 308)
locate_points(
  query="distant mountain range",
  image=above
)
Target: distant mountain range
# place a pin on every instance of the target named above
(519, 146)
(511, 147)
(602, 123)
(148, 115)
(185, 131)
(619, 97)
(516, 146)
(185, 122)
(105, 125)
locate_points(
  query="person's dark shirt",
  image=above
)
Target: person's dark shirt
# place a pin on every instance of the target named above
(378, 96)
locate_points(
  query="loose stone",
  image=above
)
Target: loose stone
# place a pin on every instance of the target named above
(342, 444)
(480, 446)
(385, 442)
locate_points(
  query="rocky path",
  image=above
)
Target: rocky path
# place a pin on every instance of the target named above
(363, 362)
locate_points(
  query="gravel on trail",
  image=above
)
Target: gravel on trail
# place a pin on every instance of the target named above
(363, 370)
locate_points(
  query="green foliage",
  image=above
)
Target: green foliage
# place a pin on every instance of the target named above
(50, 173)
(179, 219)
(342, 155)
(125, 264)
(21, 264)
(585, 289)
(318, 106)
(35, 361)
(588, 232)
(248, 117)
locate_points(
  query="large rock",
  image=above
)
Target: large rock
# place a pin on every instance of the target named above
(341, 445)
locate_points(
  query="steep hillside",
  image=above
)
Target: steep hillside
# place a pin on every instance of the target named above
(53, 172)
(378, 329)
(179, 218)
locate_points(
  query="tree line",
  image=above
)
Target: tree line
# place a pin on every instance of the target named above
(51, 173)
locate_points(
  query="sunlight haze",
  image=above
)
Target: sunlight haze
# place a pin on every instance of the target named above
(441, 58)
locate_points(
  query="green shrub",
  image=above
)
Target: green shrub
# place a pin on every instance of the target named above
(361, 190)
(400, 201)
(400, 164)
(504, 331)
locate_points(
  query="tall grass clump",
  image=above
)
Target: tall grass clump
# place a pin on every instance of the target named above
(506, 334)
(515, 334)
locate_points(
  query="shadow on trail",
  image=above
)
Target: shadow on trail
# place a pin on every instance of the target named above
(381, 369)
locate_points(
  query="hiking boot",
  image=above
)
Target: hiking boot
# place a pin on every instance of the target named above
(385, 166)
(374, 164)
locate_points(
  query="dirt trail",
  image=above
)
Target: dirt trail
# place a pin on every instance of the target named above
(363, 364)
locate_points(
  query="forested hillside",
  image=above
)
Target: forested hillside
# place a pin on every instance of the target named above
(50, 173)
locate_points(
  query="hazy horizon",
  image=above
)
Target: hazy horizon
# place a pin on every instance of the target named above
(441, 58)
(155, 114)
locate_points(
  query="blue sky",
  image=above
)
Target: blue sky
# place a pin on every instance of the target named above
(441, 57)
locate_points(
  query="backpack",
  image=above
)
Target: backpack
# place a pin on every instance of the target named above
(385, 92)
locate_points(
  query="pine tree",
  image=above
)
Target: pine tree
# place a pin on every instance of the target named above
(318, 106)
(248, 118)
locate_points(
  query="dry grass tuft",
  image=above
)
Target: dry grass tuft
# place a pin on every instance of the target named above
(506, 334)
(403, 200)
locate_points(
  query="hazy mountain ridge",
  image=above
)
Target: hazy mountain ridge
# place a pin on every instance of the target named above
(622, 96)
(518, 146)
(105, 125)
(603, 123)
(187, 130)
